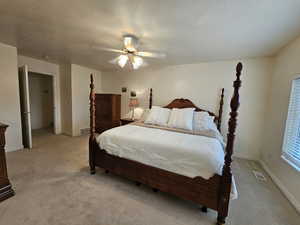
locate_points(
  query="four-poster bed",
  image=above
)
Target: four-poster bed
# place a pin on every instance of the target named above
(213, 193)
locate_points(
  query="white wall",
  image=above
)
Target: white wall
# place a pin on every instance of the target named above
(80, 77)
(9, 97)
(202, 84)
(287, 67)
(41, 100)
(43, 67)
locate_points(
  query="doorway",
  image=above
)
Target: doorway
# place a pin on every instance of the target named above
(37, 104)
(41, 102)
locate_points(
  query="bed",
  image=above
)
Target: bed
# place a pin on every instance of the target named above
(153, 156)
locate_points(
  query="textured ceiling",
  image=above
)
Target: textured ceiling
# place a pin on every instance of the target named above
(188, 31)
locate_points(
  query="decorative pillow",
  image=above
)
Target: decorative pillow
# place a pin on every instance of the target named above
(158, 116)
(203, 121)
(181, 118)
(145, 115)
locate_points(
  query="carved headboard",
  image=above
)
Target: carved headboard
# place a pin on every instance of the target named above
(181, 103)
(186, 103)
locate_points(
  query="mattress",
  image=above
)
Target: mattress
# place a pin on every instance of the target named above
(181, 153)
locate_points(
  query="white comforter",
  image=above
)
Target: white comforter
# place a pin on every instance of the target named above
(185, 154)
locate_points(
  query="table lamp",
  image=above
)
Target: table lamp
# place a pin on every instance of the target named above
(133, 103)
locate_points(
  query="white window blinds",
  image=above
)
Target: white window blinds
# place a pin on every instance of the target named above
(291, 143)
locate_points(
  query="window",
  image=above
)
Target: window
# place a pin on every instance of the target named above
(291, 143)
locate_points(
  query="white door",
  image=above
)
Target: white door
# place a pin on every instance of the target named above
(25, 106)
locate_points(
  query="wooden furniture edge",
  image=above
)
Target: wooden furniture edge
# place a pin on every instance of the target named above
(219, 122)
(197, 190)
(150, 99)
(6, 191)
(92, 139)
(124, 121)
(226, 179)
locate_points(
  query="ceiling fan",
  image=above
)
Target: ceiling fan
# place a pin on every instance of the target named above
(130, 54)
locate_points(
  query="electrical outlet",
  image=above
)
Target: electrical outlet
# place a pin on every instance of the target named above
(85, 131)
(259, 175)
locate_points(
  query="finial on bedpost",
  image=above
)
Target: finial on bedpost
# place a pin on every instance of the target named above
(92, 126)
(150, 99)
(226, 173)
(220, 110)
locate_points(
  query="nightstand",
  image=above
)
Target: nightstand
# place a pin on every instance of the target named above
(125, 121)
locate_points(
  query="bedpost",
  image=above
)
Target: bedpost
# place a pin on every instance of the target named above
(150, 99)
(225, 186)
(220, 110)
(92, 127)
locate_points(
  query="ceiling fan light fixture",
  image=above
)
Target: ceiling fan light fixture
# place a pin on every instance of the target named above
(127, 40)
(130, 54)
(137, 62)
(130, 43)
(122, 60)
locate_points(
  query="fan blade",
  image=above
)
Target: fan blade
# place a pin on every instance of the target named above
(151, 54)
(108, 49)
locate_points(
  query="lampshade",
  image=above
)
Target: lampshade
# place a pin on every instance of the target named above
(122, 60)
(133, 102)
(137, 62)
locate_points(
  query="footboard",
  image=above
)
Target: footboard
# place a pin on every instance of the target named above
(197, 190)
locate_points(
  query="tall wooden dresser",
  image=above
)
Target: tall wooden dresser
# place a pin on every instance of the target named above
(6, 190)
(108, 111)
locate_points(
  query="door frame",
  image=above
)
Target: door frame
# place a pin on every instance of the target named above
(23, 76)
(56, 113)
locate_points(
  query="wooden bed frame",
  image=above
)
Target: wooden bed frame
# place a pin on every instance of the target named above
(213, 193)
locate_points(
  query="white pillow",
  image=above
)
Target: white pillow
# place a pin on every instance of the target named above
(145, 115)
(203, 121)
(158, 116)
(181, 118)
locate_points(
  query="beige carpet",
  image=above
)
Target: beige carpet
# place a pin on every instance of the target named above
(53, 186)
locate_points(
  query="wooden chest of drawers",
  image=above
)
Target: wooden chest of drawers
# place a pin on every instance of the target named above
(108, 111)
(6, 190)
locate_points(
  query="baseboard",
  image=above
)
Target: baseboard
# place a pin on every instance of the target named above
(10, 148)
(241, 156)
(282, 187)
